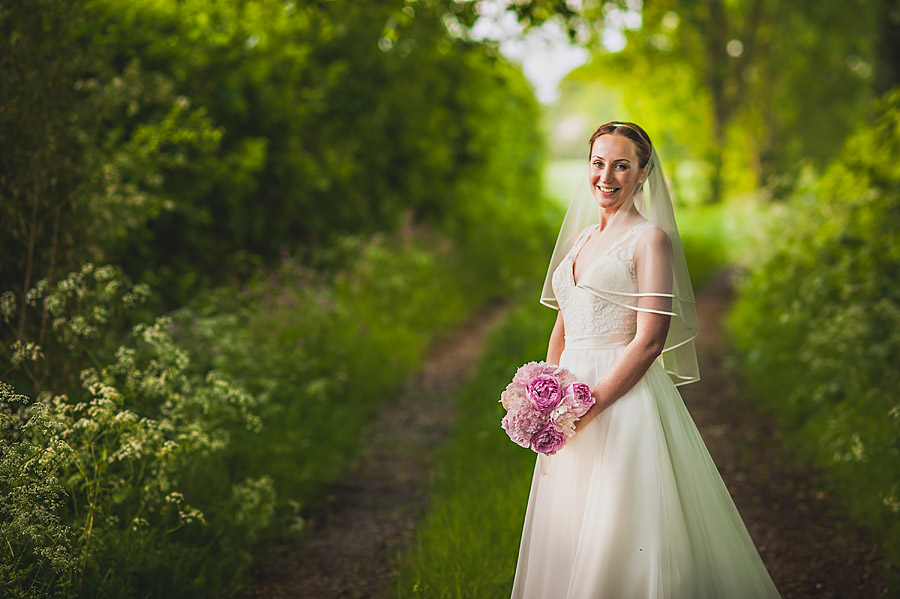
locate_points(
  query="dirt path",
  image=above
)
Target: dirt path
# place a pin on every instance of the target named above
(351, 540)
(800, 530)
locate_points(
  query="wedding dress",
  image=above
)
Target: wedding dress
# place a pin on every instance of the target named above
(632, 506)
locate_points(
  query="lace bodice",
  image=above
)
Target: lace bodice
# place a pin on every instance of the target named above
(586, 313)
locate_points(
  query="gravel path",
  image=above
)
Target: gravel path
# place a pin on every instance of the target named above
(802, 532)
(367, 519)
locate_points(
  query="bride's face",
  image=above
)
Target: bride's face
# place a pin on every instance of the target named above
(614, 173)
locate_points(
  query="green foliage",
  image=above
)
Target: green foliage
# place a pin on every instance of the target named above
(322, 354)
(467, 545)
(38, 546)
(709, 235)
(77, 321)
(137, 443)
(193, 143)
(156, 454)
(736, 93)
(92, 145)
(45, 157)
(271, 110)
(822, 300)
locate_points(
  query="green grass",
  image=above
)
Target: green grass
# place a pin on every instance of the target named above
(467, 545)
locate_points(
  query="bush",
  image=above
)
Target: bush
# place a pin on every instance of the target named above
(155, 455)
(137, 445)
(818, 321)
(322, 353)
(295, 124)
(398, 165)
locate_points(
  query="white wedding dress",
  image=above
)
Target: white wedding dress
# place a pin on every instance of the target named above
(632, 506)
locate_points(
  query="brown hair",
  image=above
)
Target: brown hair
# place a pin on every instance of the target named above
(643, 146)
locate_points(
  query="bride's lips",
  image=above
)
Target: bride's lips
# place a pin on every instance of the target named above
(607, 191)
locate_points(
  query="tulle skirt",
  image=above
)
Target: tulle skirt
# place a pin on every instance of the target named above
(633, 506)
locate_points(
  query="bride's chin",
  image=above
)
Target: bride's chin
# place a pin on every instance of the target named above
(608, 202)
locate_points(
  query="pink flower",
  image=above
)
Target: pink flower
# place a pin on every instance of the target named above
(542, 403)
(521, 422)
(545, 392)
(548, 440)
(513, 394)
(566, 377)
(578, 396)
(529, 371)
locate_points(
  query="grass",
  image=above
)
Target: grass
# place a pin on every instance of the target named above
(468, 543)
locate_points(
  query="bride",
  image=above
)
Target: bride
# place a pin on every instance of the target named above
(633, 505)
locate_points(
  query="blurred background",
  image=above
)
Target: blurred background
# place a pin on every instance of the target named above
(221, 219)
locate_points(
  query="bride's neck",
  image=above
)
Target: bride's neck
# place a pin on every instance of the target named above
(620, 214)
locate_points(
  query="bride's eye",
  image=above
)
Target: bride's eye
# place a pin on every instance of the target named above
(598, 164)
(622, 167)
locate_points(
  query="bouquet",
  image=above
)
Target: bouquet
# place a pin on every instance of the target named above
(542, 404)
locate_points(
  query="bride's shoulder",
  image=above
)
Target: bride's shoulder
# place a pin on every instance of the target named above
(652, 238)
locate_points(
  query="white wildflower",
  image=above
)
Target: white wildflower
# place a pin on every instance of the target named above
(174, 497)
(190, 515)
(138, 523)
(7, 305)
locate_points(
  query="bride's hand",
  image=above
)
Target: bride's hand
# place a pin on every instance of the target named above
(592, 412)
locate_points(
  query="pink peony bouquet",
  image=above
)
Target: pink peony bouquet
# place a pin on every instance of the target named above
(542, 404)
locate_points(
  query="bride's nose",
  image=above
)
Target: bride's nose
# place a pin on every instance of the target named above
(606, 175)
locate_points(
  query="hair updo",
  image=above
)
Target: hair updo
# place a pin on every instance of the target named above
(642, 145)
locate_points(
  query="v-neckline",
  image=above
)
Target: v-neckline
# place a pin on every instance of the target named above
(602, 254)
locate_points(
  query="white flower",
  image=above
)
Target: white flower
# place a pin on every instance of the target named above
(139, 523)
(174, 497)
(7, 305)
(564, 418)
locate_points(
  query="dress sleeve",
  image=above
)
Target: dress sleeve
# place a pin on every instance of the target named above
(653, 261)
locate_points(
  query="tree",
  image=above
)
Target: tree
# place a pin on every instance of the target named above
(189, 142)
(775, 83)
(43, 161)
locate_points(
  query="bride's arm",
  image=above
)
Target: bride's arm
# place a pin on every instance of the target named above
(557, 340)
(653, 259)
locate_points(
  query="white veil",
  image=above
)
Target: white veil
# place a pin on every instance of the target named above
(653, 202)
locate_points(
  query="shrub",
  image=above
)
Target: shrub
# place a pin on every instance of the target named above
(136, 446)
(155, 454)
(818, 321)
(293, 124)
(323, 352)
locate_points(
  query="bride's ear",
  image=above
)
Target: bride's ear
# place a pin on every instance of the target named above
(645, 173)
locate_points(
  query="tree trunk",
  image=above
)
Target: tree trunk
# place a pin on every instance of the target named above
(887, 73)
(717, 75)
